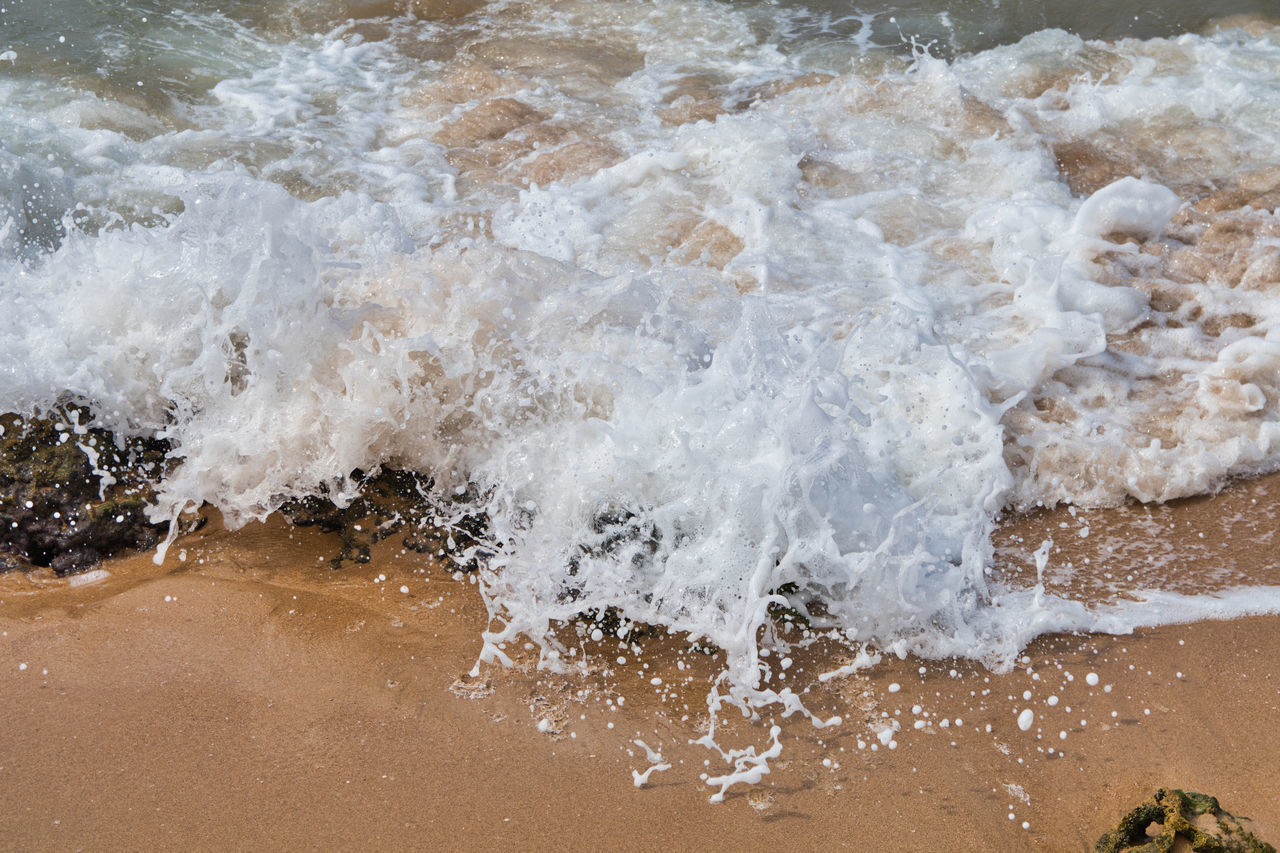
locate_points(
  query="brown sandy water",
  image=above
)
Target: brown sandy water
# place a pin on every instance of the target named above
(1208, 543)
(248, 696)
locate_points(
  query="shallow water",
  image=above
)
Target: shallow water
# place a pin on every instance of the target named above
(711, 308)
(976, 25)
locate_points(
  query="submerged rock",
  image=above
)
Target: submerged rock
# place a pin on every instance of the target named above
(72, 495)
(395, 501)
(1195, 819)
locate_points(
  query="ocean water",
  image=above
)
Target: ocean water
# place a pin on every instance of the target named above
(711, 307)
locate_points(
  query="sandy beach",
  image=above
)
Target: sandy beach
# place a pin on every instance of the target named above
(246, 696)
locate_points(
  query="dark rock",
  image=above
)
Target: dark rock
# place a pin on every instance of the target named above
(71, 495)
(390, 502)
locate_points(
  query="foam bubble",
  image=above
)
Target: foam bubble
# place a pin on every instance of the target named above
(1026, 719)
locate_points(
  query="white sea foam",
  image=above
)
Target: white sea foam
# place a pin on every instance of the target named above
(89, 577)
(774, 327)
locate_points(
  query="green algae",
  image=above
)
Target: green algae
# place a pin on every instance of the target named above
(1196, 819)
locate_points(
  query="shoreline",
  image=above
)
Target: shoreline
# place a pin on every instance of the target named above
(249, 690)
(670, 308)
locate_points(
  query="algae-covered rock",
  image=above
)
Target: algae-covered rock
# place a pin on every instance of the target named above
(390, 502)
(71, 495)
(1196, 819)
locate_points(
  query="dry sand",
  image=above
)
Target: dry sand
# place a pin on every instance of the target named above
(251, 698)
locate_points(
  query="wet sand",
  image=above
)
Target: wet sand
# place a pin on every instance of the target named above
(250, 697)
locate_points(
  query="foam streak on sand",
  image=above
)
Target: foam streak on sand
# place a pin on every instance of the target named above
(707, 327)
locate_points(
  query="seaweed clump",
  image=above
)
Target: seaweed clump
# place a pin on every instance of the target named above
(392, 501)
(1197, 819)
(72, 495)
